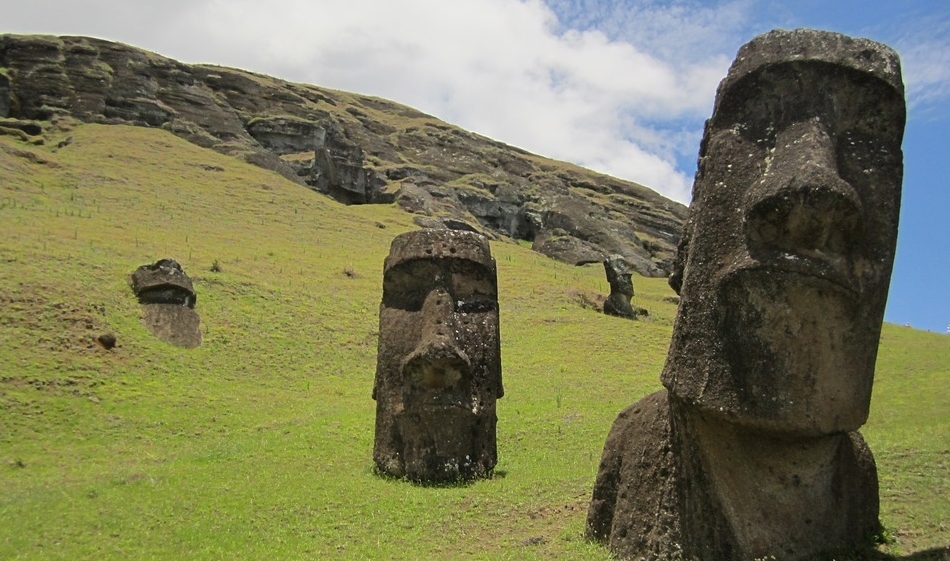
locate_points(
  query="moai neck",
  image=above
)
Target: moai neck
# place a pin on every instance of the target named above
(759, 494)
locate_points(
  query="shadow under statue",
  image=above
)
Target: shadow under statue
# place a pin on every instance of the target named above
(752, 449)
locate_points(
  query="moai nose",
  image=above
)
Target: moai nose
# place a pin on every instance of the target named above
(437, 362)
(801, 204)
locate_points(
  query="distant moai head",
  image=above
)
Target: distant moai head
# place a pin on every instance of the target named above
(785, 261)
(620, 278)
(438, 368)
(163, 282)
(168, 297)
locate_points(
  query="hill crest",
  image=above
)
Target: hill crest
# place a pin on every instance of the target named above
(357, 149)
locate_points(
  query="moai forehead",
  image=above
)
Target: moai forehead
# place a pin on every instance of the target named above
(808, 45)
(164, 273)
(439, 244)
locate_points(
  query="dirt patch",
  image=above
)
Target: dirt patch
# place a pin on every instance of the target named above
(587, 300)
(57, 325)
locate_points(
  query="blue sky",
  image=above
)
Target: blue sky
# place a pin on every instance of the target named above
(620, 86)
(920, 31)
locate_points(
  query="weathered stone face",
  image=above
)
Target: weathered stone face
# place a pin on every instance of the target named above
(789, 244)
(620, 279)
(782, 271)
(438, 369)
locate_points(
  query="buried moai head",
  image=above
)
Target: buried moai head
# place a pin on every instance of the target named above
(168, 298)
(619, 277)
(163, 282)
(438, 370)
(785, 261)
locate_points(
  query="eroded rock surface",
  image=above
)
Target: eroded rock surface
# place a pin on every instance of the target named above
(438, 368)
(752, 451)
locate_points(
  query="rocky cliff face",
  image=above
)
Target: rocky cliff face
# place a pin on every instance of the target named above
(354, 148)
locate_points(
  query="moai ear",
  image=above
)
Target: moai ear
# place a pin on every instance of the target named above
(682, 249)
(679, 261)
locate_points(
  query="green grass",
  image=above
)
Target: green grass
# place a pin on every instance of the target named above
(258, 444)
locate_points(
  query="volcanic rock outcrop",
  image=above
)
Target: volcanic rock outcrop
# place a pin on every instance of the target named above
(354, 148)
(752, 451)
(438, 368)
(168, 299)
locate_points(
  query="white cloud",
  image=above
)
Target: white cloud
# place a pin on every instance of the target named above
(679, 31)
(507, 69)
(144, 24)
(503, 68)
(925, 61)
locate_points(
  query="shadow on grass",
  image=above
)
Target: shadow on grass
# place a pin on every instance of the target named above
(455, 483)
(935, 554)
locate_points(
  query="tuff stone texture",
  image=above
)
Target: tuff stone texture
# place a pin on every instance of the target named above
(163, 282)
(438, 369)
(4, 96)
(356, 149)
(782, 270)
(338, 170)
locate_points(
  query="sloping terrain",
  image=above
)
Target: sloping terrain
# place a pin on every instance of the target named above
(355, 148)
(258, 443)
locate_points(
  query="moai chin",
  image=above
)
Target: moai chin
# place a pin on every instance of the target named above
(438, 368)
(783, 270)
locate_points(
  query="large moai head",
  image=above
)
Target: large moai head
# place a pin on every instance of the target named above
(785, 261)
(438, 368)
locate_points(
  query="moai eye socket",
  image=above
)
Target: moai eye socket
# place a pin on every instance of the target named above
(407, 285)
(473, 288)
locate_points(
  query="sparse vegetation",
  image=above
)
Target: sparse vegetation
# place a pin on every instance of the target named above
(257, 445)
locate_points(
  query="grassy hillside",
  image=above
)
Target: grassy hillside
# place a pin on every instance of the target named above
(258, 443)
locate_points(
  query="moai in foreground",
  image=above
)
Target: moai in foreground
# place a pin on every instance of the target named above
(752, 450)
(620, 279)
(438, 368)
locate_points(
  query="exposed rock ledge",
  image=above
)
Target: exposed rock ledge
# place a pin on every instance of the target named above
(354, 148)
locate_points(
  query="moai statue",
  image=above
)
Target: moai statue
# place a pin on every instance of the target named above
(168, 299)
(752, 450)
(438, 368)
(621, 287)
